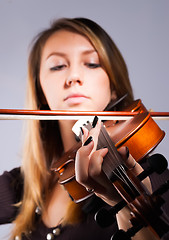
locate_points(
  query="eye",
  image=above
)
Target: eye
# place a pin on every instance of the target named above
(58, 67)
(93, 65)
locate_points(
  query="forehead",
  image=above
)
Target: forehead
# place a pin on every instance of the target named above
(64, 40)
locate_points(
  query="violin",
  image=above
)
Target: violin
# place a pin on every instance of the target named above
(141, 135)
(136, 130)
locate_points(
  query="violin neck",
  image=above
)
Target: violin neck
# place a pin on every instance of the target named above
(113, 159)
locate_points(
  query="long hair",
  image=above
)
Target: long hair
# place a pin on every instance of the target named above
(43, 141)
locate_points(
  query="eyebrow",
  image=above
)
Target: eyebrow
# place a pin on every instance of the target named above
(86, 52)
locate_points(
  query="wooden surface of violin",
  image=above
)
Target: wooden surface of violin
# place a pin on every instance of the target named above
(140, 134)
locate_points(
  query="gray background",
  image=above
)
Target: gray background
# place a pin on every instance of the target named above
(140, 28)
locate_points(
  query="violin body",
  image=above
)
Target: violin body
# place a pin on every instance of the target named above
(140, 134)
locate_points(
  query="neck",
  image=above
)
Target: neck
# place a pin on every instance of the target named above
(68, 137)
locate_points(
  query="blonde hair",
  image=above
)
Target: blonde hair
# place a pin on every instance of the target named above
(43, 142)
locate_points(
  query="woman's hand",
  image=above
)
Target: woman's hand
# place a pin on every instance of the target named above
(88, 166)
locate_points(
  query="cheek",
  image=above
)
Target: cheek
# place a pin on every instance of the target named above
(103, 84)
(50, 91)
(102, 91)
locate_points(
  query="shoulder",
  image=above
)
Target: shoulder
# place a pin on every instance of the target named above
(12, 179)
(12, 174)
(11, 189)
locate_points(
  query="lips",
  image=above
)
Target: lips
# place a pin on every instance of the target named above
(75, 96)
(75, 99)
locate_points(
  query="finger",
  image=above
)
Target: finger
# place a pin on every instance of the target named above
(85, 134)
(88, 168)
(134, 166)
(98, 181)
(94, 132)
(82, 161)
(84, 153)
(96, 161)
(129, 161)
(94, 171)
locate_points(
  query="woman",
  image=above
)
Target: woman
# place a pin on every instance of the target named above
(74, 65)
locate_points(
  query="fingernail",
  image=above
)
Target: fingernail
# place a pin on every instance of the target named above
(95, 121)
(88, 141)
(127, 152)
(82, 132)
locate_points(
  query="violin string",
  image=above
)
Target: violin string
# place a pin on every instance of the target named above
(134, 190)
(111, 165)
(114, 167)
(117, 163)
(104, 141)
(119, 172)
(101, 143)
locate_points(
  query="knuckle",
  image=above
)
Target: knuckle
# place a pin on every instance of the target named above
(81, 178)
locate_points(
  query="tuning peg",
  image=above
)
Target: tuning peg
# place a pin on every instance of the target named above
(162, 189)
(122, 235)
(105, 217)
(157, 163)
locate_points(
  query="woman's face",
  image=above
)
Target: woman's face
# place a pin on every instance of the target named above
(71, 76)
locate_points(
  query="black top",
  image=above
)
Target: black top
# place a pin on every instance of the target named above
(11, 187)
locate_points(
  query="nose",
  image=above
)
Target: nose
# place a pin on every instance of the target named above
(73, 81)
(74, 77)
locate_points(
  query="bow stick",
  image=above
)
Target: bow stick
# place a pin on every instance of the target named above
(21, 114)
